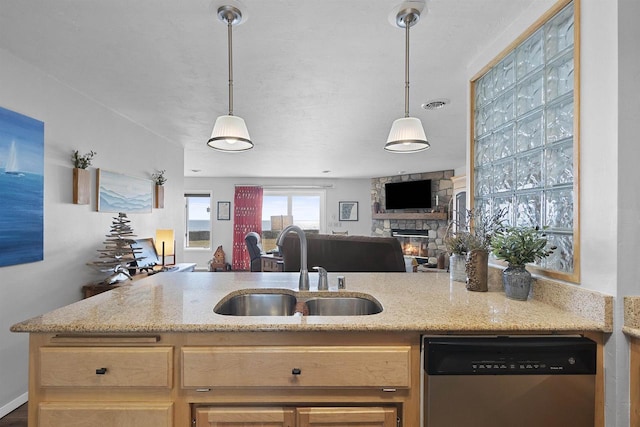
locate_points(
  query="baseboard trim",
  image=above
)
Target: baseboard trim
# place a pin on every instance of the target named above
(14, 404)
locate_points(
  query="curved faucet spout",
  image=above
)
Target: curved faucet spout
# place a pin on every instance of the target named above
(303, 283)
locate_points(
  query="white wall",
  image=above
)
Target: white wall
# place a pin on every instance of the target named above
(608, 165)
(222, 189)
(72, 233)
(628, 177)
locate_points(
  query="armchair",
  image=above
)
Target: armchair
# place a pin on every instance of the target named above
(252, 240)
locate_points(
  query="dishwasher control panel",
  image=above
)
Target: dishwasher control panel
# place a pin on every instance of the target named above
(509, 355)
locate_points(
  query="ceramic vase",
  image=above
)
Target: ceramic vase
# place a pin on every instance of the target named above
(457, 271)
(517, 282)
(477, 268)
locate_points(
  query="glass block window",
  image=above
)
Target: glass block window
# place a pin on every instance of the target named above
(523, 138)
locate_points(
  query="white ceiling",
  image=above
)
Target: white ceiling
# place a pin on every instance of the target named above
(318, 82)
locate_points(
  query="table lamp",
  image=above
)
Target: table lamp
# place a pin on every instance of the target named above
(165, 244)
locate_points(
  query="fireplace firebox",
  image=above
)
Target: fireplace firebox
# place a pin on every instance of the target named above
(414, 243)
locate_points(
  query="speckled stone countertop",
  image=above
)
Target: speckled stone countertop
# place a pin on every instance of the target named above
(631, 316)
(184, 302)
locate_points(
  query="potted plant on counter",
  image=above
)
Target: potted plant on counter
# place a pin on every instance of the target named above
(457, 246)
(482, 226)
(519, 246)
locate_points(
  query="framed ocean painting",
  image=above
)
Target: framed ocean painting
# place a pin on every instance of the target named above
(21, 188)
(123, 193)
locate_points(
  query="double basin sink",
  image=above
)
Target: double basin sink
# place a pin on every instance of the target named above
(274, 303)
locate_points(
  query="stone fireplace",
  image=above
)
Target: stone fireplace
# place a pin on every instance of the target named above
(420, 231)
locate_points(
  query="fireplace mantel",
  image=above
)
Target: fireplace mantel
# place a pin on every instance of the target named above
(412, 215)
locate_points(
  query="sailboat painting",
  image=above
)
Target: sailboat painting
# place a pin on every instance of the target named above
(21, 188)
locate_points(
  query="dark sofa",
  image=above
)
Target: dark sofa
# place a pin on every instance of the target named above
(339, 253)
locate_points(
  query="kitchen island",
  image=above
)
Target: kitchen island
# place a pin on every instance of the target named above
(155, 353)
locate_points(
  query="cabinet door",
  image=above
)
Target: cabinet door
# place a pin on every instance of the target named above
(635, 381)
(245, 417)
(116, 414)
(345, 417)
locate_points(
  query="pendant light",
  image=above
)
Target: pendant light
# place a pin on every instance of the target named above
(230, 132)
(407, 134)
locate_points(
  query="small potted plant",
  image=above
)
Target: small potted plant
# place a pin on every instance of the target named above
(457, 245)
(81, 176)
(519, 246)
(82, 161)
(159, 179)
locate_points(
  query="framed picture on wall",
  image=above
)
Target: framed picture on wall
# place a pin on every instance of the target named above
(118, 192)
(224, 211)
(347, 211)
(21, 189)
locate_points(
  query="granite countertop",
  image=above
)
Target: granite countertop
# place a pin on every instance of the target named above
(631, 325)
(184, 302)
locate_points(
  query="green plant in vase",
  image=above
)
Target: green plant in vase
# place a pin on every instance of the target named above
(82, 161)
(519, 246)
(81, 176)
(159, 178)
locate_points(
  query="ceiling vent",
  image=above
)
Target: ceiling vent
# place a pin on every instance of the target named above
(435, 104)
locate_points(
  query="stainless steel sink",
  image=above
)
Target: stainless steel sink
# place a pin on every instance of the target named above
(277, 303)
(342, 306)
(258, 304)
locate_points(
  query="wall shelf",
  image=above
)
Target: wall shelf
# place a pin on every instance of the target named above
(412, 215)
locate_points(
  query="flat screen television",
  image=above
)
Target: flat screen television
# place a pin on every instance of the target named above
(408, 195)
(146, 251)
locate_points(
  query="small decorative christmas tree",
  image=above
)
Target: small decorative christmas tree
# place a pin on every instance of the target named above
(117, 253)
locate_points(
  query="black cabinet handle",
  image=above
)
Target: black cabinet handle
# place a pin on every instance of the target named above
(101, 371)
(296, 371)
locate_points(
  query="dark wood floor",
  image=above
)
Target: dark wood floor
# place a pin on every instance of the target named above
(17, 418)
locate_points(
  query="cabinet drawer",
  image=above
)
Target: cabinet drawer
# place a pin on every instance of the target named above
(290, 366)
(245, 416)
(347, 416)
(106, 367)
(105, 414)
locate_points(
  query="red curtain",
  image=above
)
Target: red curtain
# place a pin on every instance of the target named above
(247, 216)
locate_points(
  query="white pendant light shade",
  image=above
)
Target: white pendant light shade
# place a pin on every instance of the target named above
(230, 134)
(407, 136)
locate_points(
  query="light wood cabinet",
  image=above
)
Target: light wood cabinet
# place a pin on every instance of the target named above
(245, 417)
(297, 366)
(296, 417)
(121, 414)
(106, 367)
(346, 417)
(634, 381)
(224, 379)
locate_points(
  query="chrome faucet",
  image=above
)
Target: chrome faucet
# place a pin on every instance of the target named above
(303, 283)
(323, 280)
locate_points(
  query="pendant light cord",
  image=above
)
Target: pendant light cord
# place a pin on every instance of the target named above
(230, 38)
(408, 21)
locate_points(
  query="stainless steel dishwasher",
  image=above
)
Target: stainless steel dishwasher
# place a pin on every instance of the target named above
(508, 381)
